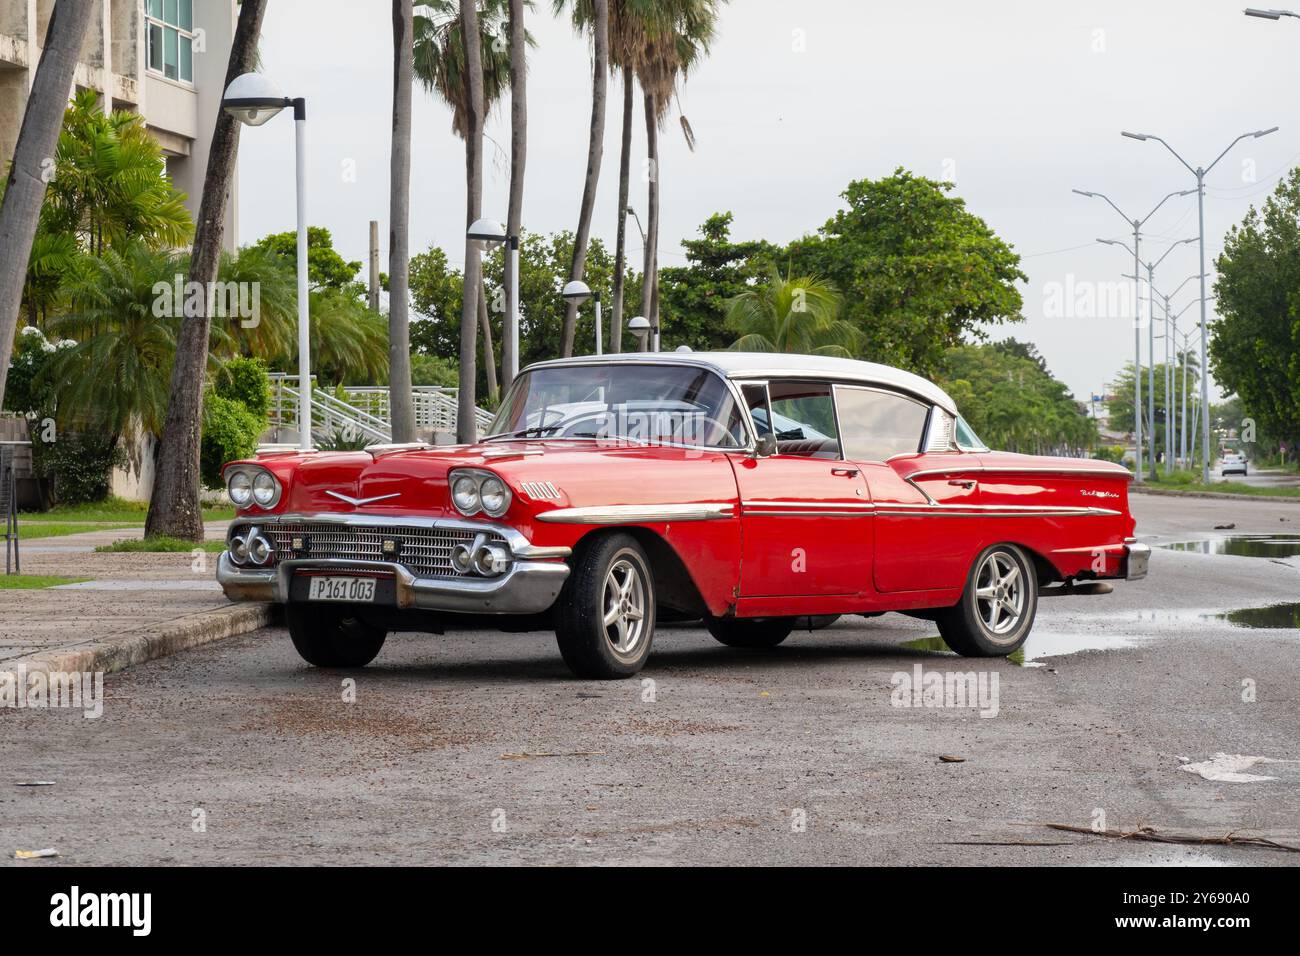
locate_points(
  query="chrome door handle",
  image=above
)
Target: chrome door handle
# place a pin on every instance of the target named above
(846, 472)
(968, 485)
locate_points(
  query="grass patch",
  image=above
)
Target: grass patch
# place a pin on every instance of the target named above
(116, 510)
(162, 544)
(1185, 480)
(54, 529)
(31, 582)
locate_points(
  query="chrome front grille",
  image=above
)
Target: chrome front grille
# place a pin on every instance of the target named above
(425, 552)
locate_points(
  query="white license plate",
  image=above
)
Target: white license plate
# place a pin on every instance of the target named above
(341, 589)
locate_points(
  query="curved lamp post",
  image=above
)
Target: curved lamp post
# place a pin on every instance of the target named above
(1136, 225)
(578, 292)
(254, 99)
(1200, 173)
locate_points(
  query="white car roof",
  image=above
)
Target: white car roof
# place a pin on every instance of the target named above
(778, 365)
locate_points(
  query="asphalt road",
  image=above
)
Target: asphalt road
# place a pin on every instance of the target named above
(239, 753)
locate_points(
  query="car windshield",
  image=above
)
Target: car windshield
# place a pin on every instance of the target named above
(645, 404)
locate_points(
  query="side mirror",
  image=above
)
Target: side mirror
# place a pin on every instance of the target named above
(766, 445)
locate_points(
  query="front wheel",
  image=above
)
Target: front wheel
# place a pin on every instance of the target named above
(757, 632)
(605, 621)
(332, 636)
(997, 608)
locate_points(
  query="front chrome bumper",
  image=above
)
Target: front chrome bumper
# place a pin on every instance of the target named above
(530, 586)
(1136, 557)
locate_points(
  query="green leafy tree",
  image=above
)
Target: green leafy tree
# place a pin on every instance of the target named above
(795, 314)
(695, 295)
(918, 271)
(1120, 404)
(1013, 402)
(326, 269)
(1254, 350)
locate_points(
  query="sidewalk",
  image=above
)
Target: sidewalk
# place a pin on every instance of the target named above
(135, 607)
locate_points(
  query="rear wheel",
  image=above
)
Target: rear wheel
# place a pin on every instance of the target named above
(605, 621)
(757, 632)
(997, 608)
(332, 636)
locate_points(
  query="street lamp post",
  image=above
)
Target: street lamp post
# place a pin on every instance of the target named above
(1200, 173)
(1171, 407)
(1151, 351)
(1136, 225)
(1269, 14)
(487, 234)
(579, 292)
(639, 326)
(253, 99)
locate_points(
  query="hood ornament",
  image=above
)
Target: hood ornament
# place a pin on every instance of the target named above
(358, 502)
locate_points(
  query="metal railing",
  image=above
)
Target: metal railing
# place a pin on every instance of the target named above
(364, 412)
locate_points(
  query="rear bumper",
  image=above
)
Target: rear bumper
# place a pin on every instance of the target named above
(529, 587)
(1136, 556)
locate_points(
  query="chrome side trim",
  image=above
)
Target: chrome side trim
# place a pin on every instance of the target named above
(520, 546)
(990, 511)
(808, 513)
(492, 454)
(638, 514)
(810, 505)
(1023, 469)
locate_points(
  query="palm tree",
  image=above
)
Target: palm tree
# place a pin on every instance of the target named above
(590, 16)
(473, 272)
(174, 504)
(110, 182)
(678, 35)
(24, 191)
(441, 62)
(518, 158)
(399, 212)
(117, 335)
(794, 314)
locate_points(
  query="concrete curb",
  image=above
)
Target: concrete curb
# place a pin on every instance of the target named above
(149, 641)
(1225, 495)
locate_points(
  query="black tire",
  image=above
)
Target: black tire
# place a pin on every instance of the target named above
(332, 636)
(752, 632)
(592, 647)
(966, 626)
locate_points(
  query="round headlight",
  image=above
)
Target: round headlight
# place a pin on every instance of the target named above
(464, 494)
(495, 496)
(240, 489)
(264, 488)
(239, 548)
(259, 550)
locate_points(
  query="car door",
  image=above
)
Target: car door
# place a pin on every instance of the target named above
(922, 531)
(805, 514)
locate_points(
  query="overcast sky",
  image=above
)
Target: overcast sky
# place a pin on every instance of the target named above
(1016, 101)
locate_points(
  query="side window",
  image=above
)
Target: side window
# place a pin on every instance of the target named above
(803, 419)
(967, 440)
(878, 425)
(756, 402)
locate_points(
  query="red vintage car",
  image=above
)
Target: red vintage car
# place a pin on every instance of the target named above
(746, 490)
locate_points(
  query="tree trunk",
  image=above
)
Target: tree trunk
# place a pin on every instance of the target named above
(650, 275)
(174, 505)
(37, 139)
(489, 354)
(595, 150)
(518, 158)
(472, 277)
(399, 212)
(620, 246)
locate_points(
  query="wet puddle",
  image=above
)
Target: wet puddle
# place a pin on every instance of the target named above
(1038, 645)
(1240, 545)
(1273, 616)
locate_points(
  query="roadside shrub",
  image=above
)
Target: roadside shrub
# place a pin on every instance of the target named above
(434, 370)
(1113, 453)
(79, 465)
(244, 380)
(230, 432)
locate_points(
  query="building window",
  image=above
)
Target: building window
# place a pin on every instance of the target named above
(171, 38)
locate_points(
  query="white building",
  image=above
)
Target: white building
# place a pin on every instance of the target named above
(163, 59)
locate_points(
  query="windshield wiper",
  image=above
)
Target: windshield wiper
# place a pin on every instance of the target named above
(535, 431)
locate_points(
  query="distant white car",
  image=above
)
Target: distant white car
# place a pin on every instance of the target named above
(1233, 464)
